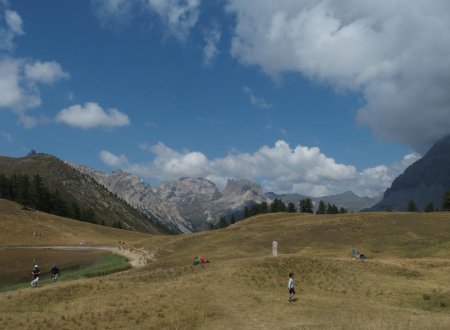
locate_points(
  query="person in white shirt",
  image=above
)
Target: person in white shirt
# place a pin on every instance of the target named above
(291, 287)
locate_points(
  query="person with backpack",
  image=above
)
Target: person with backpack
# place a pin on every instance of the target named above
(35, 276)
(291, 287)
(54, 272)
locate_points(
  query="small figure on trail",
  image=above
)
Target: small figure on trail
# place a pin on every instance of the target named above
(357, 255)
(200, 261)
(35, 276)
(54, 272)
(291, 287)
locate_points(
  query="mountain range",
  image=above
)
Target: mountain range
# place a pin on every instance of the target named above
(195, 204)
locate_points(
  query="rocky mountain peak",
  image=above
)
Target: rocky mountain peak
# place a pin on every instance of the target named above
(187, 187)
(138, 194)
(241, 187)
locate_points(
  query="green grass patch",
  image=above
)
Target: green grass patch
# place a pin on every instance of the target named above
(107, 264)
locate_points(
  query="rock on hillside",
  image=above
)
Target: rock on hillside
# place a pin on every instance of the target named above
(424, 182)
(141, 196)
(74, 186)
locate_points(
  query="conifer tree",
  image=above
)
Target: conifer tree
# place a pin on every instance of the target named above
(291, 208)
(246, 213)
(429, 207)
(322, 208)
(446, 201)
(264, 208)
(412, 207)
(222, 222)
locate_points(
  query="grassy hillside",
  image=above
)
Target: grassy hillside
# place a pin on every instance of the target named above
(404, 284)
(22, 227)
(73, 186)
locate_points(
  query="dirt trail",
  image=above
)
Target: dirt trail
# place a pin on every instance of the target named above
(136, 257)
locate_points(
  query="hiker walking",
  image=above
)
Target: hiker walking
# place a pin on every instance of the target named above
(54, 271)
(35, 276)
(291, 287)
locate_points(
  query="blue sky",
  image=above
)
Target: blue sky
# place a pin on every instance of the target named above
(314, 97)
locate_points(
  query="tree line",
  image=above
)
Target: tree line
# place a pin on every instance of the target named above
(429, 207)
(305, 206)
(277, 205)
(32, 192)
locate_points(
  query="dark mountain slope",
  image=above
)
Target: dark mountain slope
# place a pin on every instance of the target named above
(76, 187)
(424, 182)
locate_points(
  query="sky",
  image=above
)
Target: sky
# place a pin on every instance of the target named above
(301, 96)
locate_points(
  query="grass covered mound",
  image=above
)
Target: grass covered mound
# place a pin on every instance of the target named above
(403, 285)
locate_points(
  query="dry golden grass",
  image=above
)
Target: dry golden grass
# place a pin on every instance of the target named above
(17, 227)
(404, 284)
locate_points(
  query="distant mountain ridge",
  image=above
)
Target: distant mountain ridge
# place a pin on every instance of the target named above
(179, 206)
(201, 202)
(424, 182)
(140, 195)
(195, 204)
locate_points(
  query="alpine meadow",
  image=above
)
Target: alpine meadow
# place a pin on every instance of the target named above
(225, 164)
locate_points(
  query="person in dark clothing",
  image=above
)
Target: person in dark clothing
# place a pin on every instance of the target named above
(35, 276)
(54, 272)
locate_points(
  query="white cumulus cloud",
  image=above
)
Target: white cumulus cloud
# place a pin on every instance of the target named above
(396, 53)
(20, 78)
(112, 160)
(280, 168)
(91, 115)
(19, 85)
(45, 72)
(11, 26)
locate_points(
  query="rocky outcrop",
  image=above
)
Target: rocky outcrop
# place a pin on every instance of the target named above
(141, 196)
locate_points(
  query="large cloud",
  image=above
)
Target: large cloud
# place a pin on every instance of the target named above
(396, 53)
(91, 115)
(280, 168)
(19, 85)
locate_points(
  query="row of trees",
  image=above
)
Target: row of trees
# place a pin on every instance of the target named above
(305, 206)
(34, 193)
(277, 205)
(429, 207)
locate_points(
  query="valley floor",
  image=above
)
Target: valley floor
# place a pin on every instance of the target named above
(403, 285)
